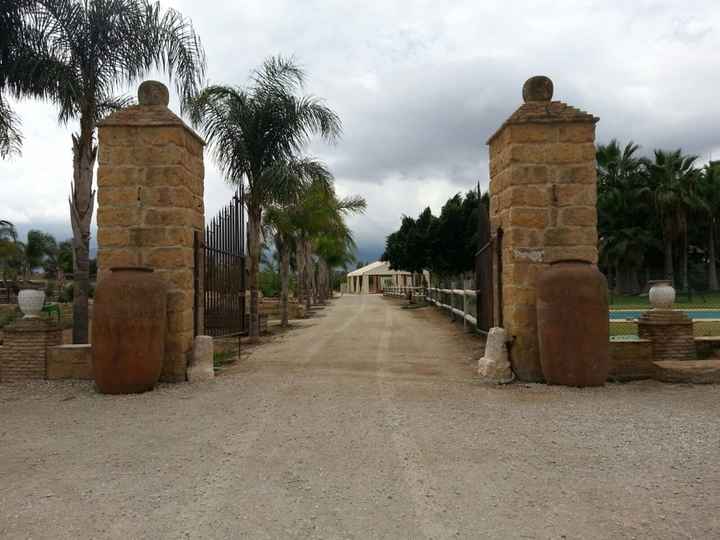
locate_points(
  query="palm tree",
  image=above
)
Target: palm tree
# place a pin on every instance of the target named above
(710, 196)
(256, 135)
(624, 209)
(674, 183)
(11, 12)
(77, 53)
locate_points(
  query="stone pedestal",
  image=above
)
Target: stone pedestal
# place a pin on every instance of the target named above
(671, 334)
(202, 368)
(543, 194)
(23, 355)
(150, 205)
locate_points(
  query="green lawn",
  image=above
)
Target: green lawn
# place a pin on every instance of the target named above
(699, 300)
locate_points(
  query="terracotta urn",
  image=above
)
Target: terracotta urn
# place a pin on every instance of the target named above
(662, 294)
(30, 302)
(128, 332)
(573, 324)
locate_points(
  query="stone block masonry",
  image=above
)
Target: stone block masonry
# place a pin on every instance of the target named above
(23, 355)
(543, 193)
(671, 334)
(150, 204)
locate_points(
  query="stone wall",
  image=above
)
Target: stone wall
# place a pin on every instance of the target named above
(150, 204)
(23, 355)
(70, 362)
(631, 360)
(707, 346)
(671, 333)
(543, 194)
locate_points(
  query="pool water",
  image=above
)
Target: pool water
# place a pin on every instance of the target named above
(625, 314)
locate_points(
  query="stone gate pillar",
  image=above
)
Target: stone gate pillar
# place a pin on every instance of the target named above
(150, 204)
(543, 192)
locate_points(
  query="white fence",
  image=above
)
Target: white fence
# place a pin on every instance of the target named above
(402, 292)
(459, 302)
(467, 297)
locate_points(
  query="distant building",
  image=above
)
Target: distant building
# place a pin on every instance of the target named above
(375, 277)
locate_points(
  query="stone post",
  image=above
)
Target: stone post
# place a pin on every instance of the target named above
(150, 205)
(23, 355)
(543, 194)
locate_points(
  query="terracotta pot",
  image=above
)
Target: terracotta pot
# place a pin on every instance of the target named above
(662, 294)
(573, 324)
(128, 332)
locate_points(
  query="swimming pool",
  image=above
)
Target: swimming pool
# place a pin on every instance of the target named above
(695, 314)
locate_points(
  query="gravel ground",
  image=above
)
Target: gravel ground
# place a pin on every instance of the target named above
(365, 421)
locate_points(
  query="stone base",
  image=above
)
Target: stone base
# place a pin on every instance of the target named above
(671, 332)
(688, 371)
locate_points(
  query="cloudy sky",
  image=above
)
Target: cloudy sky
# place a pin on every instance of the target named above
(420, 85)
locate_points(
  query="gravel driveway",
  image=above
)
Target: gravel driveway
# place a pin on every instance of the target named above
(362, 422)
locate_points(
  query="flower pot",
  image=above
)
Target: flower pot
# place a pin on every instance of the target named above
(31, 302)
(573, 324)
(662, 294)
(129, 322)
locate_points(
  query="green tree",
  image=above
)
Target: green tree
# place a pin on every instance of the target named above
(9, 249)
(77, 53)
(709, 191)
(65, 256)
(256, 135)
(40, 249)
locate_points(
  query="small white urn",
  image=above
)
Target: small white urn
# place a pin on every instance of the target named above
(31, 302)
(662, 294)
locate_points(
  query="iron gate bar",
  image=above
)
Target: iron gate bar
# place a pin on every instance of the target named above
(223, 254)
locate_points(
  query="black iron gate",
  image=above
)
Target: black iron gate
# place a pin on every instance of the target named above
(220, 274)
(488, 286)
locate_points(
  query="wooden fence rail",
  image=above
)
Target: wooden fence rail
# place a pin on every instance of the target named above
(445, 298)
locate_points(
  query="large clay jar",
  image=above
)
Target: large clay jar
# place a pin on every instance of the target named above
(573, 324)
(128, 331)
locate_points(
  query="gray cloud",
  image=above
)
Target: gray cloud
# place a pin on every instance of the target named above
(420, 85)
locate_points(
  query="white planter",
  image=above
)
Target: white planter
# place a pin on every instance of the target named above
(31, 302)
(662, 294)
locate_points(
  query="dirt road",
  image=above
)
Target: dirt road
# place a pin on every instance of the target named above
(364, 422)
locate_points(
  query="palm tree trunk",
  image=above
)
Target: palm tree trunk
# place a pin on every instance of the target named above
(712, 270)
(300, 273)
(284, 283)
(82, 202)
(669, 270)
(255, 216)
(685, 257)
(307, 264)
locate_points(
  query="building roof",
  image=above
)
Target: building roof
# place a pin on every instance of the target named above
(377, 268)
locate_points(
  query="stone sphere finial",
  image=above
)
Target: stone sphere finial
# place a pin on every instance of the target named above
(538, 88)
(153, 93)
